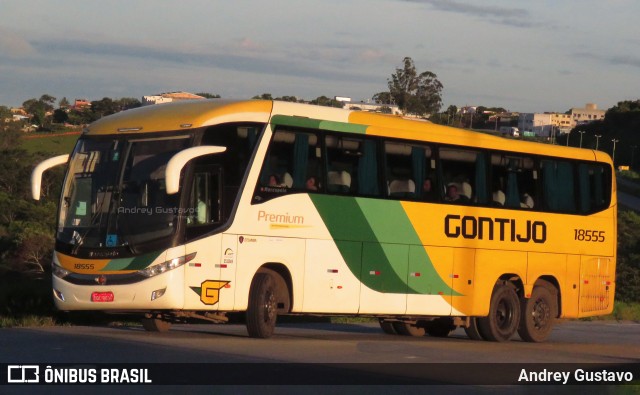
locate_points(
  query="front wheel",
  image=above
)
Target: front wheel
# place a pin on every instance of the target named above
(504, 314)
(538, 313)
(262, 311)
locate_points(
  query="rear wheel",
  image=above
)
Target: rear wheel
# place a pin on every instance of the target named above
(406, 329)
(262, 311)
(504, 314)
(472, 330)
(154, 324)
(538, 313)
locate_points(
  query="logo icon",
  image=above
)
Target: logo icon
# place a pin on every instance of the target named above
(23, 374)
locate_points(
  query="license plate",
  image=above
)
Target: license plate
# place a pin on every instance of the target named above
(102, 297)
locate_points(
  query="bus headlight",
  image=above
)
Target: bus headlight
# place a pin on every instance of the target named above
(59, 271)
(166, 266)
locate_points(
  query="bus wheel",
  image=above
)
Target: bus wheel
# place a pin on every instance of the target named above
(155, 325)
(405, 329)
(504, 314)
(472, 330)
(538, 313)
(440, 327)
(263, 307)
(387, 327)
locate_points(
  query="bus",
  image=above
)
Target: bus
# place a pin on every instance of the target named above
(205, 208)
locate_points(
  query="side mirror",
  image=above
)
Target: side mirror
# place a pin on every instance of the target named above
(36, 174)
(179, 160)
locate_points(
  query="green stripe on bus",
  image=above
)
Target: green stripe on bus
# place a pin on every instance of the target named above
(310, 123)
(136, 263)
(375, 235)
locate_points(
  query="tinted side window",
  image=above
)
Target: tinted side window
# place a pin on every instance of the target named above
(410, 172)
(558, 186)
(352, 166)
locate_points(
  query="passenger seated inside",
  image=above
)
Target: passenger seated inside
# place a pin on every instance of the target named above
(274, 180)
(311, 184)
(454, 196)
(527, 201)
(428, 191)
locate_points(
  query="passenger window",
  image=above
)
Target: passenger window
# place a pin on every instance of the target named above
(513, 181)
(352, 166)
(595, 187)
(558, 186)
(410, 172)
(292, 164)
(463, 176)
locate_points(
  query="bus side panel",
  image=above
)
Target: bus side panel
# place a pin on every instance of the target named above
(329, 285)
(202, 275)
(256, 251)
(384, 267)
(597, 279)
(541, 264)
(434, 294)
(490, 266)
(464, 262)
(570, 295)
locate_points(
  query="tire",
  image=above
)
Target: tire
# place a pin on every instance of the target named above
(155, 325)
(262, 311)
(472, 330)
(504, 314)
(405, 329)
(387, 327)
(441, 327)
(538, 314)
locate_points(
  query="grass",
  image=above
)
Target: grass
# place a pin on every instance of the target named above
(622, 311)
(50, 143)
(27, 321)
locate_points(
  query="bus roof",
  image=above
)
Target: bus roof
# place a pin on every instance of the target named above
(198, 113)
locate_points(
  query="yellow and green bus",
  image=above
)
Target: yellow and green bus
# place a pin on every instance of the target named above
(199, 209)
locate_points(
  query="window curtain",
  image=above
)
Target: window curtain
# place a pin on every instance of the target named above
(583, 178)
(300, 160)
(512, 198)
(418, 165)
(481, 179)
(368, 170)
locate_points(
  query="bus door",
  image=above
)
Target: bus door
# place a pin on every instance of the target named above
(209, 275)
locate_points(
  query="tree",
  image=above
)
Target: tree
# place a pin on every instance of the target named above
(127, 103)
(39, 108)
(64, 103)
(60, 116)
(264, 96)
(415, 93)
(327, 102)
(208, 95)
(382, 98)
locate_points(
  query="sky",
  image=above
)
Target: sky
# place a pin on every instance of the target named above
(526, 56)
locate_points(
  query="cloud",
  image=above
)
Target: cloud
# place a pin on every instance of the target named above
(510, 16)
(619, 60)
(14, 46)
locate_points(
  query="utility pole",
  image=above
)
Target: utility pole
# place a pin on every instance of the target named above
(597, 136)
(581, 134)
(613, 156)
(633, 151)
(568, 135)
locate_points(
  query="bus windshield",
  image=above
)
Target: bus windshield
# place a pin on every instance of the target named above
(114, 194)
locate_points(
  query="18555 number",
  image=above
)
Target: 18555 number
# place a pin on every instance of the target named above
(596, 236)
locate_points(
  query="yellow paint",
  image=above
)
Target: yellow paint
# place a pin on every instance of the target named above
(181, 116)
(78, 265)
